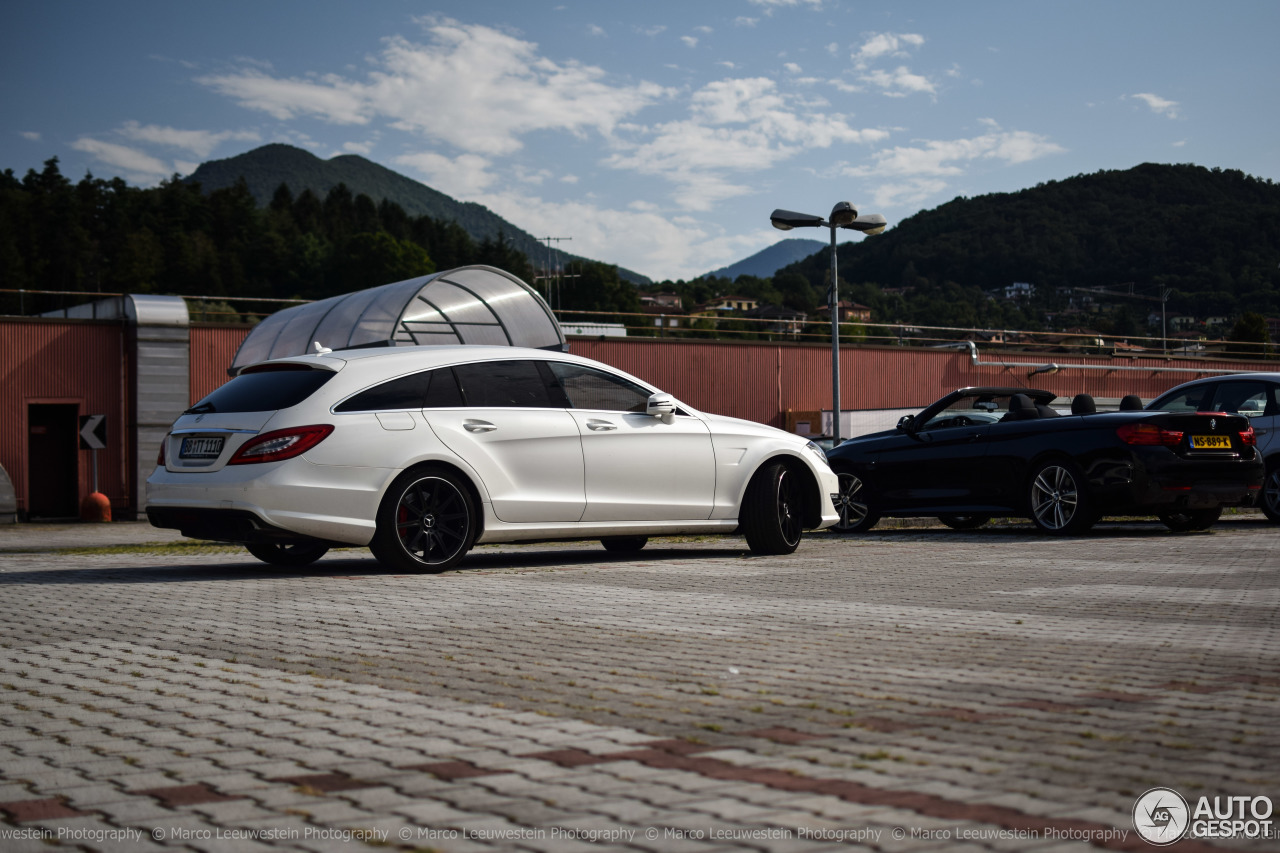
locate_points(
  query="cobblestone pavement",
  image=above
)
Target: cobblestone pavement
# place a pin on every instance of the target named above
(912, 689)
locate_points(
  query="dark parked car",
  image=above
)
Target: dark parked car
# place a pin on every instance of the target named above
(983, 452)
(1254, 395)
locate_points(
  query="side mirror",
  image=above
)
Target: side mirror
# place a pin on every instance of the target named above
(661, 406)
(905, 422)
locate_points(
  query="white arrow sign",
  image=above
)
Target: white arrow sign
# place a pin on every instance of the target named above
(90, 436)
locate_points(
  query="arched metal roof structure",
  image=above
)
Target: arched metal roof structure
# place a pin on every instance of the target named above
(468, 305)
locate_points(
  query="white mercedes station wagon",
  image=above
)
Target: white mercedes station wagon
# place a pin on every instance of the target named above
(422, 452)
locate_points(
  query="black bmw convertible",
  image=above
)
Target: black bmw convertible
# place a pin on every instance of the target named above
(983, 452)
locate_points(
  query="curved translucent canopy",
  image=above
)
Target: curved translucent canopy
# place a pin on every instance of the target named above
(468, 305)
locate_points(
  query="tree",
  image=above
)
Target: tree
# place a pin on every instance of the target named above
(1249, 334)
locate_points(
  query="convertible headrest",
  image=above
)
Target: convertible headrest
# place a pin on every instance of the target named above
(1082, 404)
(1022, 408)
(1130, 403)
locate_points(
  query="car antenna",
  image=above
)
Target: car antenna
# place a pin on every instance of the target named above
(321, 350)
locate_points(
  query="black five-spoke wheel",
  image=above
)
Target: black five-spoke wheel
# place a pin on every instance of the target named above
(426, 522)
(772, 511)
(853, 504)
(1059, 505)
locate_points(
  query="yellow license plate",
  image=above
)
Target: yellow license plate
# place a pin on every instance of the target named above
(1210, 442)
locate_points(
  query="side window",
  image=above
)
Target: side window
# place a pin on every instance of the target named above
(505, 384)
(1246, 398)
(429, 389)
(588, 388)
(406, 392)
(1186, 400)
(444, 392)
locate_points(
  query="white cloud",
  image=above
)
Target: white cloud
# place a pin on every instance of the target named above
(900, 82)
(201, 143)
(472, 86)
(1159, 105)
(569, 179)
(949, 157)
(879, 45)
(727, 64)
(1180, 143)
(137, 166)
(689, 41)
(30, 136)
(641, 237)
(651, 31)
(744, 21)
(792, 68)
(906, 193)
(361, 148)
(770, 5)
(703, 29)
(593, 30)
(735, 125)
(462, 177)
(843, 86)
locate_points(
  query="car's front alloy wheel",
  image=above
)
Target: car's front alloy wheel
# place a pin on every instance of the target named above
(1057, 500)
(772, 511)
(853, 504)
(426, 522)
(1270, 503)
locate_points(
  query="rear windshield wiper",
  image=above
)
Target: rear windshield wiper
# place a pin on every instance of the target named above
(202, 409)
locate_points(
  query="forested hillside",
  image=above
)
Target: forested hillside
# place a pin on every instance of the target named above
(265, 168)
(106, 236)
(1211, 237)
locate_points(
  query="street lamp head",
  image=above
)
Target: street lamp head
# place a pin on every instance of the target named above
(843, 214)
(867, 223)
(785, 220)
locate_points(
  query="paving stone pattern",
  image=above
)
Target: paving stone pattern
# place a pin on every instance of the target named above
(913, 689)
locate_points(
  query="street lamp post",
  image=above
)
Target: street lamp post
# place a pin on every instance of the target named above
(843, 215)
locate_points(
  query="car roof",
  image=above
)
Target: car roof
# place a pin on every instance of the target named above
(391, 361)
(1036, 394)
(1270, 377)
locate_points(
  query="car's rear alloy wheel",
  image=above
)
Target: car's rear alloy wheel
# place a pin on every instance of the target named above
(624, 544)
(771, 516)
(853, 505)
(1058, 502)
(294, 554)
(1270, 504)
(1187, 520)
(426, 522)
(964, 522)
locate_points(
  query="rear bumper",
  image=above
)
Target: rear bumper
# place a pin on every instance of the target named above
(225, 525)
(1157, 480)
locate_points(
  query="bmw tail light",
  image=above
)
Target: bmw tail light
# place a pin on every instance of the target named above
(1149, 435)
(281, 444)
(1249, 438)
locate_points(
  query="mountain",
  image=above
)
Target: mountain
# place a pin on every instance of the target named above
(766, 262)
(264, 169)
(1206, 236)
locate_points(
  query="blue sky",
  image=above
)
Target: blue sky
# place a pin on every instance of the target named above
(658, 135)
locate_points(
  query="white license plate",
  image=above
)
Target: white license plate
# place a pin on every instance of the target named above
(200, 447)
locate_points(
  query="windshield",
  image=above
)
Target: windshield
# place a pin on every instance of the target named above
(970, 410)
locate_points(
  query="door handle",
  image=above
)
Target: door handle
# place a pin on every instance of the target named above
(600, 426)
(478, 426)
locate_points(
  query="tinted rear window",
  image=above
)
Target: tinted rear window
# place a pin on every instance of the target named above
(263, 391)
(515, 384)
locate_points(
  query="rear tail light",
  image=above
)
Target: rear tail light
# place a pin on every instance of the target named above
(160, 455)
(280, 444)
(1249, 438)
(1149, 434)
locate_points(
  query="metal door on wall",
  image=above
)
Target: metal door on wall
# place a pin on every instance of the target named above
(53, 460)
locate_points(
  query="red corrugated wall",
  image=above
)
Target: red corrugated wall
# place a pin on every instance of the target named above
(81, 363)
(212, 350)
